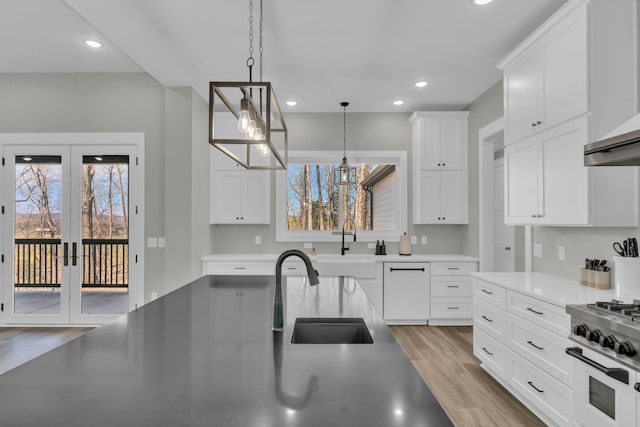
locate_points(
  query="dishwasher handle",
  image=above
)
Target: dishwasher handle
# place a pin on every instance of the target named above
(619, 374)
(406, 269)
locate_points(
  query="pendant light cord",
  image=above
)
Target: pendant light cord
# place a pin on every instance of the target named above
(344, 125)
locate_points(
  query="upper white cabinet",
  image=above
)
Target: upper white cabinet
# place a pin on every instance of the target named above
(581, 60)
(440, 187)
(561, 92)
(238, 195)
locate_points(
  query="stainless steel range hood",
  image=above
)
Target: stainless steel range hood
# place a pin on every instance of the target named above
(621, 147)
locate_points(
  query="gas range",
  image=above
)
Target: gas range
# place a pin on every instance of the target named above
(611, 328)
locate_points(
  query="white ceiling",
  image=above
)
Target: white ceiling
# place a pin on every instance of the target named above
(368, 52)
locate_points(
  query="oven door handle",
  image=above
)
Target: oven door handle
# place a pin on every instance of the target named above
(619, 374)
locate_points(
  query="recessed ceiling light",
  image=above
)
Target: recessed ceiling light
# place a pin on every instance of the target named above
(292, 103)
(398, 102)
(421, 83)
(93, 43)
(482, 2)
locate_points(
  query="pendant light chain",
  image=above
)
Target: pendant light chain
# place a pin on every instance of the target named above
(250, 60)
(344, 125)
(260, 42)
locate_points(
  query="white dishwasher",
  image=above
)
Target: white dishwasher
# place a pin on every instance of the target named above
(406, 292)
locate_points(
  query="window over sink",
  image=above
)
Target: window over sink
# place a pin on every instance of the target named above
(311, 207)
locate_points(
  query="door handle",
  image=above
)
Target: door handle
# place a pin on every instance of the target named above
(74, 253)
(621, 375)
(65, 254)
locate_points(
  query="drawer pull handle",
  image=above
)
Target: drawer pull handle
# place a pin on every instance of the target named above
(534, 346)
(487, 351)
(487, 292)
(406, 269)
(533, 311)
(453, 308)
(534, 387)
(239, 268)
(291, 268)
(453, 286)
(453, 268)
(487, 319)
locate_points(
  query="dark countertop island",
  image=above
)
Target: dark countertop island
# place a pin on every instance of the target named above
(205, 355)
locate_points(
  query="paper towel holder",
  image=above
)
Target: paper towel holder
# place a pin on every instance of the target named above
(405, 245)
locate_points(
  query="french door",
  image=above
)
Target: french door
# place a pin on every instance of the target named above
(71, 233)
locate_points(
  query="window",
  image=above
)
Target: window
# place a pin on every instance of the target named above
(309, 206)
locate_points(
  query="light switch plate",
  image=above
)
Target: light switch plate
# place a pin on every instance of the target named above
(371, 245)
(423, 240)
(414, 240)
(152, 242)
(258, 240)
(561, 253)
(308, 245)
(537, 250)
(161, 242)
(154, 295)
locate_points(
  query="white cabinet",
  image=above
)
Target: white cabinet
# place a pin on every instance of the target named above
(451, 293)
(547, 183)
(440, 193)
(406, 292)
(547, 83)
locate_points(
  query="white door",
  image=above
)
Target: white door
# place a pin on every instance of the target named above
(72, 233)
(504, 243)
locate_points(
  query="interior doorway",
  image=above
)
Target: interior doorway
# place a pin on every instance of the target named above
(497, 240)
(72, 229)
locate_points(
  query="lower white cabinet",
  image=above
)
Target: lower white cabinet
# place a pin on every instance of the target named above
(451, 293)
(521, 342)
(406, 292)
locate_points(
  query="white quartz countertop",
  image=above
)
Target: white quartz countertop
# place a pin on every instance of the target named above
(552, 289)
(377, 258)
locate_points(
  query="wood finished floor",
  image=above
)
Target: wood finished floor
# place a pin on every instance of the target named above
(443, 355)
(19, 345)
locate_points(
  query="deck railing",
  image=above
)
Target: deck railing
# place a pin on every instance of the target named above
(38, 263)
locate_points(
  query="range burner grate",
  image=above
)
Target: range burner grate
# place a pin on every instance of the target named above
(618, 308)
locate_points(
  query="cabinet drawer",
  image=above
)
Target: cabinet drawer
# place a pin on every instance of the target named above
(489, 292)
(541, 313)
(550, 396)
(543, 349)
(491, 319)
(256, 268)
(492, 354)
(453, 268)
(452, 308)
(293, 268)
(451, 286)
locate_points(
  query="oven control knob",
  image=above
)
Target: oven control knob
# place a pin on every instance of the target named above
(624, 347)
(594, 335)
(637, 386)
(580, 330)
(608, 341)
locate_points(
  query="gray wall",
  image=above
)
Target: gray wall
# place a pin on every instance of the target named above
(130, 102)
(381, 131)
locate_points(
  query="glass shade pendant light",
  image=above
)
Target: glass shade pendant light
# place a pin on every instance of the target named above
(345, 174)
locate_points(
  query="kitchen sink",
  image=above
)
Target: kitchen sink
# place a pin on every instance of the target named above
(357, 265)
(330, 330)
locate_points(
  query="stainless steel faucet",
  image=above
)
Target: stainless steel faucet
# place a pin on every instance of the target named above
(342, 249)
(278, 315)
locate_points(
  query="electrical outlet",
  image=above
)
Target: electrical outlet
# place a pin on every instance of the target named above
(152, 242)
(561, 253)
(423, 240)
(537, 250)
(258, 240)
(414, 240)
(161, 242)
(154, 295)
(371, 245)
(308, 245)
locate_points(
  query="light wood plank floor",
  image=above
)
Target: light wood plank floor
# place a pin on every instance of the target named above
(443, 355)
(19, 345)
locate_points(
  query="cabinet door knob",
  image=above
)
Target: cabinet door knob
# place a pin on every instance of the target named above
(533, 215)
(507, 248)
(538, 122)
(533, 124)
(439, 164)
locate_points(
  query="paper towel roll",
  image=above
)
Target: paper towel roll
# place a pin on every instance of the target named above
(405, 244)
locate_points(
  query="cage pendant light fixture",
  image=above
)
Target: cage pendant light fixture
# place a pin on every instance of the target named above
(245, 119)
(345, 174)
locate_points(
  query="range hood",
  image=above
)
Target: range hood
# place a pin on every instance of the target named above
(621, 147)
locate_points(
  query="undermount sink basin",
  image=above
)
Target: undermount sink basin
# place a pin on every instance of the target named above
(330, 330)
(357, 265)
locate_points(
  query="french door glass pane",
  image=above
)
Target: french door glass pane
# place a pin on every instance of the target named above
(105, 234)
(37, 234)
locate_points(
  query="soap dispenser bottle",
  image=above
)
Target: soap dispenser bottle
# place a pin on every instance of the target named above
(383, 249)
